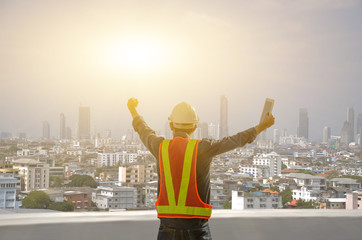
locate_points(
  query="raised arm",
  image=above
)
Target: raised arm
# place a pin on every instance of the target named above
(147, 135)
(212, 147)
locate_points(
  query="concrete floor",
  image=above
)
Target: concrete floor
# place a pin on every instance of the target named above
(225, 224)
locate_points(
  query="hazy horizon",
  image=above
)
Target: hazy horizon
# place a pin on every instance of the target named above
(56, 56)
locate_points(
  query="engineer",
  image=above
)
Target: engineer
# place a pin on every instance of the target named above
(183, 167)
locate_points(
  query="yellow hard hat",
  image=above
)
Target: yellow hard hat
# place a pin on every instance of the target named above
(184, 116)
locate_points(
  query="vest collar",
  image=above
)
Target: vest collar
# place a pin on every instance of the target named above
(181, 134)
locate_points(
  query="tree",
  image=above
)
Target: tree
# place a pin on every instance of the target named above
(62, 206)
(36, 199)
(306, 204)
(56, 181)
(332, 174)
(227, 205)
(12, 149)
(306, 171)
(287, 196)
(82, 181)
(274, 188)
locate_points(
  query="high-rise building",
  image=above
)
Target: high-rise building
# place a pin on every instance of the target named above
(350, 119)
(68, 134)
(212, 131)
(5, 135)
(326, 134)
(345, 132)
(62, 129)
(46, 130)
(276, 136)
(34, 173)
(84, 123)
(204, 127)
(303, 123)
(223, 117)
(359, 129)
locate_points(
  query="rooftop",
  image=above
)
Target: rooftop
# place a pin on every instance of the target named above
(26, 161)
(345, 180)
(280, 224)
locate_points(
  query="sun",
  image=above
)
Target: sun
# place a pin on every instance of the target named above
(138, 54)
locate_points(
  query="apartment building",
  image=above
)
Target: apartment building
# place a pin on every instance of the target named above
(34, 173)
(8, 188)
(113, 197)
(256, 200)
(271, 160)
(305, 194)
(314, 183)
(218, 197)
(81, 200)
(254, 170)
(136, 173)
(113, 159)
(348, 183)
(354, 200)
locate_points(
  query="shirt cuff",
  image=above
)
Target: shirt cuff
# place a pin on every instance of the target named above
(252, 134)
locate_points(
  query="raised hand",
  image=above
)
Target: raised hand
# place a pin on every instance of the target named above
(132, 103)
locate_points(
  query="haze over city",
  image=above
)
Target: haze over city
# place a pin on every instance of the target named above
(56, 56)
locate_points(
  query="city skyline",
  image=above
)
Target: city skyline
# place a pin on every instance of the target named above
(303, 55)
(84, 118)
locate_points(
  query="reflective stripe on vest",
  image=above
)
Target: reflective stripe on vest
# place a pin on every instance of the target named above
(180, 207)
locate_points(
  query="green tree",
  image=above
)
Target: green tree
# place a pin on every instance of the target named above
(287, 196)
(56, 181)
(12, 149)
(332, 174)
(274, 188)
(82, 181)
(306, 171)
(36, 199)
(284, 166)
(306, 204)
(227, 205)
(62, 206)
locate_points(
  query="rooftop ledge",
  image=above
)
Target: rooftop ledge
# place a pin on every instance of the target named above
(83, 217)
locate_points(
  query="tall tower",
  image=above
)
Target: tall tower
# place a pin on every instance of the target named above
(62, 128)
(326, 134)
(84, 123)
(350, 119)
(303, 123)
(204, 130)
(345, 133)
(223, 117)
(359, 128)
(68, 134)
(212, 130)
(46, 130)
(276, 136)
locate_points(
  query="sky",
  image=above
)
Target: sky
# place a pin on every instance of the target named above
(58, 55)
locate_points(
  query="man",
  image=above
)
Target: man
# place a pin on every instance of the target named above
(183, 166)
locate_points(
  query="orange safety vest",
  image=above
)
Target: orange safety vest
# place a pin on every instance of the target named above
(178, 196)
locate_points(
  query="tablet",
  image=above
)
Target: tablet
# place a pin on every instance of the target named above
(268, 107)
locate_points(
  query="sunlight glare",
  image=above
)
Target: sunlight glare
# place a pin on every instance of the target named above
(138, 54)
